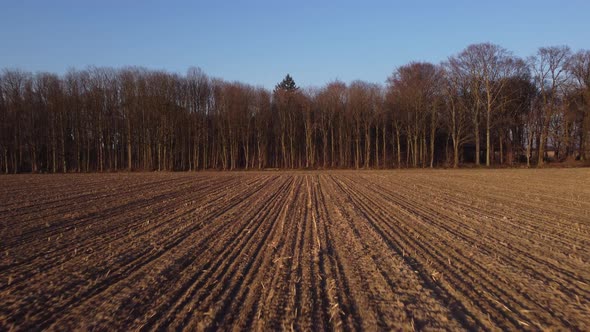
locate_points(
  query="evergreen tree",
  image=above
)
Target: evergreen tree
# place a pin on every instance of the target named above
(287, 84)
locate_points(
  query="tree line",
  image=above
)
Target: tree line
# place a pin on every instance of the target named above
(481, 106)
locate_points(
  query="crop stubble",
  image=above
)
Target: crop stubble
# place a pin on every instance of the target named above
(487, 249)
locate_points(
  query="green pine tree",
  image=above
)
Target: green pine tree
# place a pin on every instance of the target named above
(287, 84)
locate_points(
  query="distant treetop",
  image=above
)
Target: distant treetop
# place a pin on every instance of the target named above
(287, 84)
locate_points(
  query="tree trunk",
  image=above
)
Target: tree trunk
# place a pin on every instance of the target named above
(501, 150)
(129, 152)
(332, 159)
(383, 132)
(377, 146)
(477, 148)
(509, 151)
(455, 153)
(399, 150)
(488, 143)
(367, 146)
(5, 161)
(432, 138)
(541, 148)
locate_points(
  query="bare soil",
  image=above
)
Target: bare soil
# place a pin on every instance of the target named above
(343, 250)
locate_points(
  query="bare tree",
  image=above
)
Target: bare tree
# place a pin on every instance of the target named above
(105, 119)
(550, 76)
(413, 88)
(579, 67)
(488, 67)
(456, 89)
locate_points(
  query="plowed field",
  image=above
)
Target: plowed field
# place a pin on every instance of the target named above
(468, 249)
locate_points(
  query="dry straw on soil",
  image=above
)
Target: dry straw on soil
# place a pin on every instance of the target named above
(471, 249)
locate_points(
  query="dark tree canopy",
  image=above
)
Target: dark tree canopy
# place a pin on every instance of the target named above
(287, 84)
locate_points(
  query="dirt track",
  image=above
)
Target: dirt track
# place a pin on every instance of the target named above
(471, 249)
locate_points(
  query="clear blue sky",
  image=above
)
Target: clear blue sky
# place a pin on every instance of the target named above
(258, 42)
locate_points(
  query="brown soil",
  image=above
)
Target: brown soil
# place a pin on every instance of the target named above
(344, 250)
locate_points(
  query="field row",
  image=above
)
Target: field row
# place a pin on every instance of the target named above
(471, 249)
